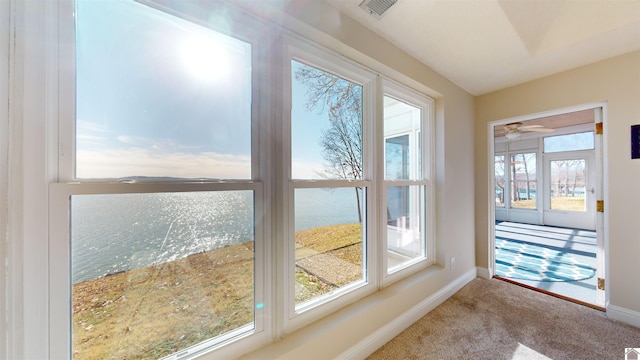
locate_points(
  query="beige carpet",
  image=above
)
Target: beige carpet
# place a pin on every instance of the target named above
(491, 319)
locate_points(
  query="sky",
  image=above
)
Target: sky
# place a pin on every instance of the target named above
(160, 96)
(306, 128)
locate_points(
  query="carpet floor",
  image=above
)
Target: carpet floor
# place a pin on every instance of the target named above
(492, 319)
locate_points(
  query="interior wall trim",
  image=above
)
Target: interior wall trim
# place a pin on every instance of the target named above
(484, 273)
(371, 343)
(623, 315)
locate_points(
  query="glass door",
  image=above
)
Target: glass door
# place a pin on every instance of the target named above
(570, 190)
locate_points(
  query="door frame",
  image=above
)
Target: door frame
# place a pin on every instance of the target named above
(602, 191)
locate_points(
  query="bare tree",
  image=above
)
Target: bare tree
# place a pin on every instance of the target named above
(515, 194)
(499, 176)
(526, 173)
(341, 142)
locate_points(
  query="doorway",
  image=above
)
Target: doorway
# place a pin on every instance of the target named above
(546, 177)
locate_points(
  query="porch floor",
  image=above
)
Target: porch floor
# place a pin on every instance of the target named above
(558, 260)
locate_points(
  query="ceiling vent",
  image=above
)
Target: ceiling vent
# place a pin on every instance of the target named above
(377, 8)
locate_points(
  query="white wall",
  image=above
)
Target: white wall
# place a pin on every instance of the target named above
(5, 29)
(616, 81)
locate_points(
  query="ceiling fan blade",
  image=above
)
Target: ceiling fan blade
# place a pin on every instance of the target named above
(540, 129)
(530, 126)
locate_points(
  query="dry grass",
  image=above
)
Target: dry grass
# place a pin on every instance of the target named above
(158, 310)
(568, 203)
(523, 204)
(327, 258)
(322, 239)
(557, 203)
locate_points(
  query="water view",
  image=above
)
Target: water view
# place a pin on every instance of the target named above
(115, 233)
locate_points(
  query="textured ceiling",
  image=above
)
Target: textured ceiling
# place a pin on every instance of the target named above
(487, 45)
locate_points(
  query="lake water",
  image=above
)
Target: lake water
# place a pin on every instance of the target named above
(114, 233)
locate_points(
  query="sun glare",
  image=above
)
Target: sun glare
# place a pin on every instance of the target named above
(206, 59)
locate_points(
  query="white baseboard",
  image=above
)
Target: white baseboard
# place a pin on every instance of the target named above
(383, 335)
(484, 273)
(624, 315)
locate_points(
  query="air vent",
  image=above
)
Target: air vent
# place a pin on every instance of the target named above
(377, 8)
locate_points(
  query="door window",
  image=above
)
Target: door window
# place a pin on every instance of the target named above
(568, 184)
(523, 181)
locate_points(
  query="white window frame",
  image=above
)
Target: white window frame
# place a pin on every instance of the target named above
(60, 192)
(298, 316)
(271, 181)
(426, 104)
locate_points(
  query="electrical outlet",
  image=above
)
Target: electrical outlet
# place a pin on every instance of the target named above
(452, 263)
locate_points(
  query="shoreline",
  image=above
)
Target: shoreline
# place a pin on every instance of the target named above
(157, 310)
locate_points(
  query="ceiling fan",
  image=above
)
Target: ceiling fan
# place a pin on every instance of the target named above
(515, 129)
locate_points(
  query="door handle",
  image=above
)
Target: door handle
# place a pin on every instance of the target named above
(593, 190)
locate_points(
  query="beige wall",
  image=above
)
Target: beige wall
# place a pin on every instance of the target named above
(616, 81)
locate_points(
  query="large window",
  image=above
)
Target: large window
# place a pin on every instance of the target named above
(206, 200)
(328, 179)
(162, 257)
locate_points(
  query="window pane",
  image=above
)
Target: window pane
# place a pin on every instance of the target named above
(568, 184)
(500, 180)
(570, 142)
(157, 273)
(326, 125)
(158, 96)
(329, 240)
(397, 157)
(402, 125)
(405, 228)
(523, 181)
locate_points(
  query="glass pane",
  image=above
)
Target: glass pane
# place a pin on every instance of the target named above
(523, 181)
(402, 125)
(158, 96)
(568, 184)
(329, 240)
(570, 142)
(157, 273)
(405, 225)
(326, 125)
(397, 157)
(500, 180)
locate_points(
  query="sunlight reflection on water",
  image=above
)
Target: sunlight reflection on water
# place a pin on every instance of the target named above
(115, 233)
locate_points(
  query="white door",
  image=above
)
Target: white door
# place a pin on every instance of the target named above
(570, 189)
